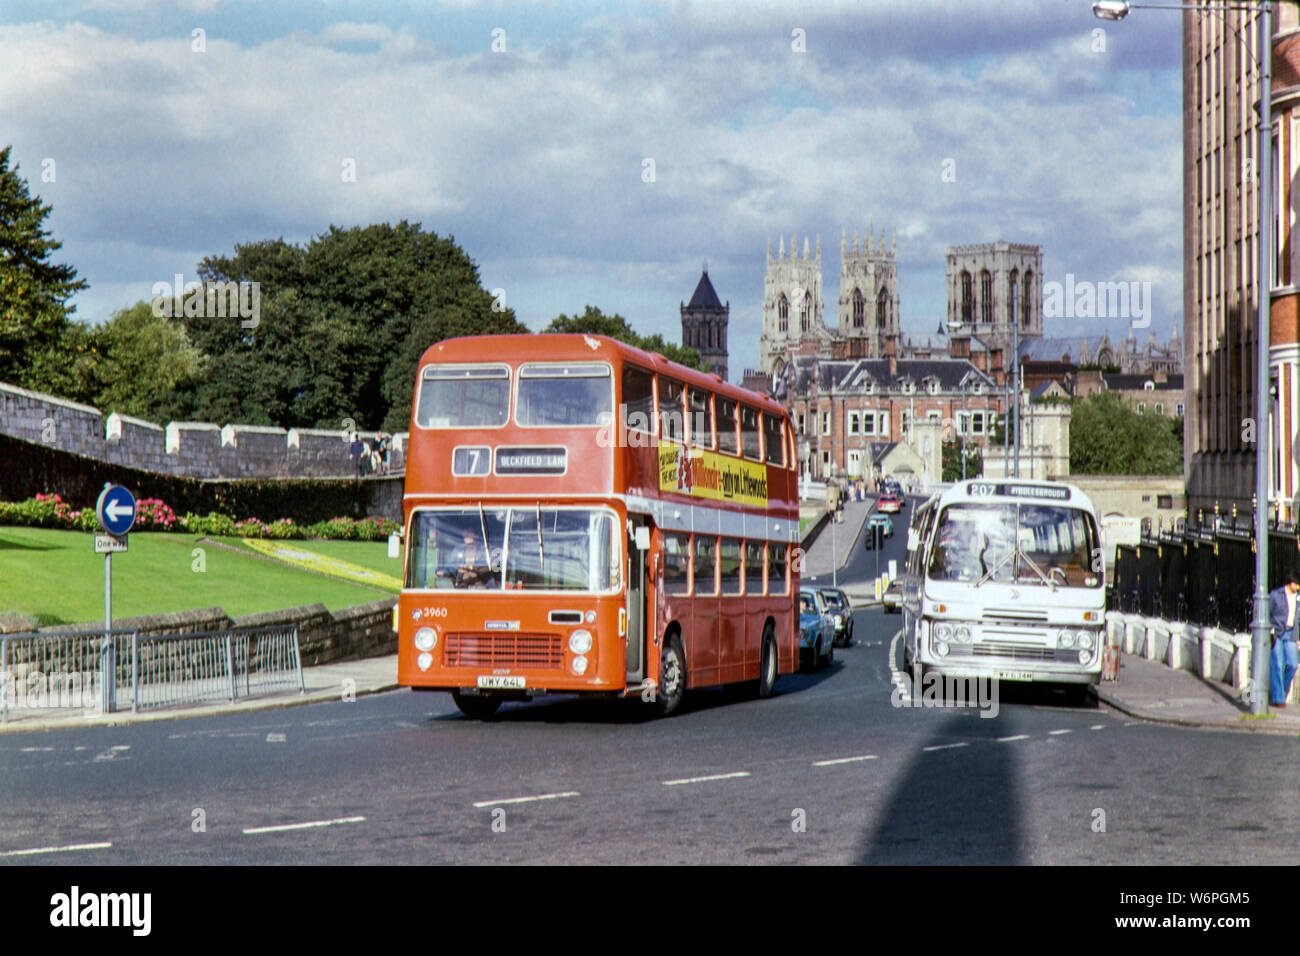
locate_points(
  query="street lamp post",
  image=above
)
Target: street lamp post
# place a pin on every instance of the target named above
(1118, 10)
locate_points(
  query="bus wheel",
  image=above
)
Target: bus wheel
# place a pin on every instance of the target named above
(767, 665)
(475, 706)
(672, 677)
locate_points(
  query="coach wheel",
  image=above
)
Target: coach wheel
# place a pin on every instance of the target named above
(672, 677)
(767, 665)
(1076, 695)
(472, 705)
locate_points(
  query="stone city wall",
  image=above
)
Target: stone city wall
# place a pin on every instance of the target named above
(189, 449)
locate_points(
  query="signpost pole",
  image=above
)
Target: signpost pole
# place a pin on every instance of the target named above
(106, 652)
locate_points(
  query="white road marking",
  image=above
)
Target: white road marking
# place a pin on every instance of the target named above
(831, 763)
(28, 750)
(57, 849)
(1097, 727)
(540, 796)
(1057, 733)
(1132, 723)
(120, 747)
(80, 748)
(1003, 740)
(715, 776)
(946, 746)
(275, 738)
(304, 826)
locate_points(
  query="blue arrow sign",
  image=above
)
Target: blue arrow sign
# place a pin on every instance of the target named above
(115, 509)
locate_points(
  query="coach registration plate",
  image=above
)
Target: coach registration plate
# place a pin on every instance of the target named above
(1015, 675)
(497, 682)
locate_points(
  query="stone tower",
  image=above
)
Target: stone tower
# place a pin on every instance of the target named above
(869, 301)
(991, 285)
(792, 305)
(704, 325)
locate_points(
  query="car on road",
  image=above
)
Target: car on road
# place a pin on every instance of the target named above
(892, 599)
(837, 606)
(885, 524)
(816, 630)
(889, 504)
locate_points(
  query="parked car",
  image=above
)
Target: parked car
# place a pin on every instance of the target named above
(882, 521)
(889, 504)
(837, 606)
(892, 599)
(816, 630)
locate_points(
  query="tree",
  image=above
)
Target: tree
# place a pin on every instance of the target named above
(594, 322)
(952, 461)
(143, 360)
(33, 292)
(1107, 437)
(342, 324)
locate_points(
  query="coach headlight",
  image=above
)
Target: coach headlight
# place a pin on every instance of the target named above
(580, 641)
(943, 632)
(426, 639)
(1065, 639)
(941, 648)
(1084, 640)
(962, 634)
(1085, 656)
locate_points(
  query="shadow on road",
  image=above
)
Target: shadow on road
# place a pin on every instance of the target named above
(952, 807)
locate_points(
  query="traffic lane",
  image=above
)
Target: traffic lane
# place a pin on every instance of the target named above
(429, 765)
(860, 566)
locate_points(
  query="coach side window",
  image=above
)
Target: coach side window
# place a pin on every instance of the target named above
(677, 564)
(749, 440)
(776, 582)
(670, 409)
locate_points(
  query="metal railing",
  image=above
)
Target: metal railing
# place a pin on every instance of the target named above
(103, 672)
(1203, 575)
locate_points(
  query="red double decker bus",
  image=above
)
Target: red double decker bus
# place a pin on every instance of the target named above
(585, 517)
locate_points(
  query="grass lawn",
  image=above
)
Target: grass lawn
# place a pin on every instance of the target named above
(368, 554)
(56, 577)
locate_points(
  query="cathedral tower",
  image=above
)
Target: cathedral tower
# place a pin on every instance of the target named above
(704, 325)
(792, 305)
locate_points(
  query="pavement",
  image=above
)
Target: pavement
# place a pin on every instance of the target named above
(1145, 689)
(835, 547)
(324, 682)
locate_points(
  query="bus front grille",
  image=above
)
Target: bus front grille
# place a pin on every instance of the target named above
(1017, 652)
(504, 650)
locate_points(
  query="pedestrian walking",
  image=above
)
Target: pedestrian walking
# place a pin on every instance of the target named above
(1284, 660)
(355, 451)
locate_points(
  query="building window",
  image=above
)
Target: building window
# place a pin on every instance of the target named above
(805, 312)
(967, 307)
(882, 309)
(1180, 409)
(977, 423)
(1160, 408)
(868, 423)
(1142, 407)
(934, 387)
(1149, 386)
(826, 462)
(853, 423)
(826, 422)
(986, 296)
(783, 314)
(859, 309)
(909, 387)
(803, 427)
(1027, 295)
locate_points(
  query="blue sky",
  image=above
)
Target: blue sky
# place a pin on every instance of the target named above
(532, 157)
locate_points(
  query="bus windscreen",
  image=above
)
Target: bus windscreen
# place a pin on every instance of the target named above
(1024, 544)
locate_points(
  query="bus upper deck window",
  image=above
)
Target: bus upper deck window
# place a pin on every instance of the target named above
(749, 441)
(726, 409)
(638, 399)
(671, 413)
(565, 394)
(772, 437)
(701, 419)
(463, 396)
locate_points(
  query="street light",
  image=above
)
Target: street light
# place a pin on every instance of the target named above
(1116, 10)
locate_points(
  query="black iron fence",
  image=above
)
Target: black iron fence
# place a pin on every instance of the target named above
(1201, 575)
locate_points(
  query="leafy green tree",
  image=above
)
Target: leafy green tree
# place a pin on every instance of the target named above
(1107, 437)
(34, 292)
(952, 460)
(143, 360)
(595, 322)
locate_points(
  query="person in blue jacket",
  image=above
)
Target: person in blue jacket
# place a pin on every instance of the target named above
(1284, 661)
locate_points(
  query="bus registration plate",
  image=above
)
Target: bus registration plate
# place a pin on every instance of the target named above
(1014, 675)
(498, 682)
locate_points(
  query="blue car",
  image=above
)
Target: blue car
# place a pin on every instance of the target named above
(816, 631)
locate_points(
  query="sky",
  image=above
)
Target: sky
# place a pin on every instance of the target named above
(595, 153)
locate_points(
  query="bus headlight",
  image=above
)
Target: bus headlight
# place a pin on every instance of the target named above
(1084, 640)
(580, 642)
(424, 661)
(579, 665)
(426, 639)
(941, 648)
(1065, 639)
(962, 633)
(1085, 656)
(943, 632)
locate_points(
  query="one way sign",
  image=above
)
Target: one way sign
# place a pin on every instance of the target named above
(115, 510)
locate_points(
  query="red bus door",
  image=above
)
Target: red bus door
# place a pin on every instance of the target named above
(638, 549)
